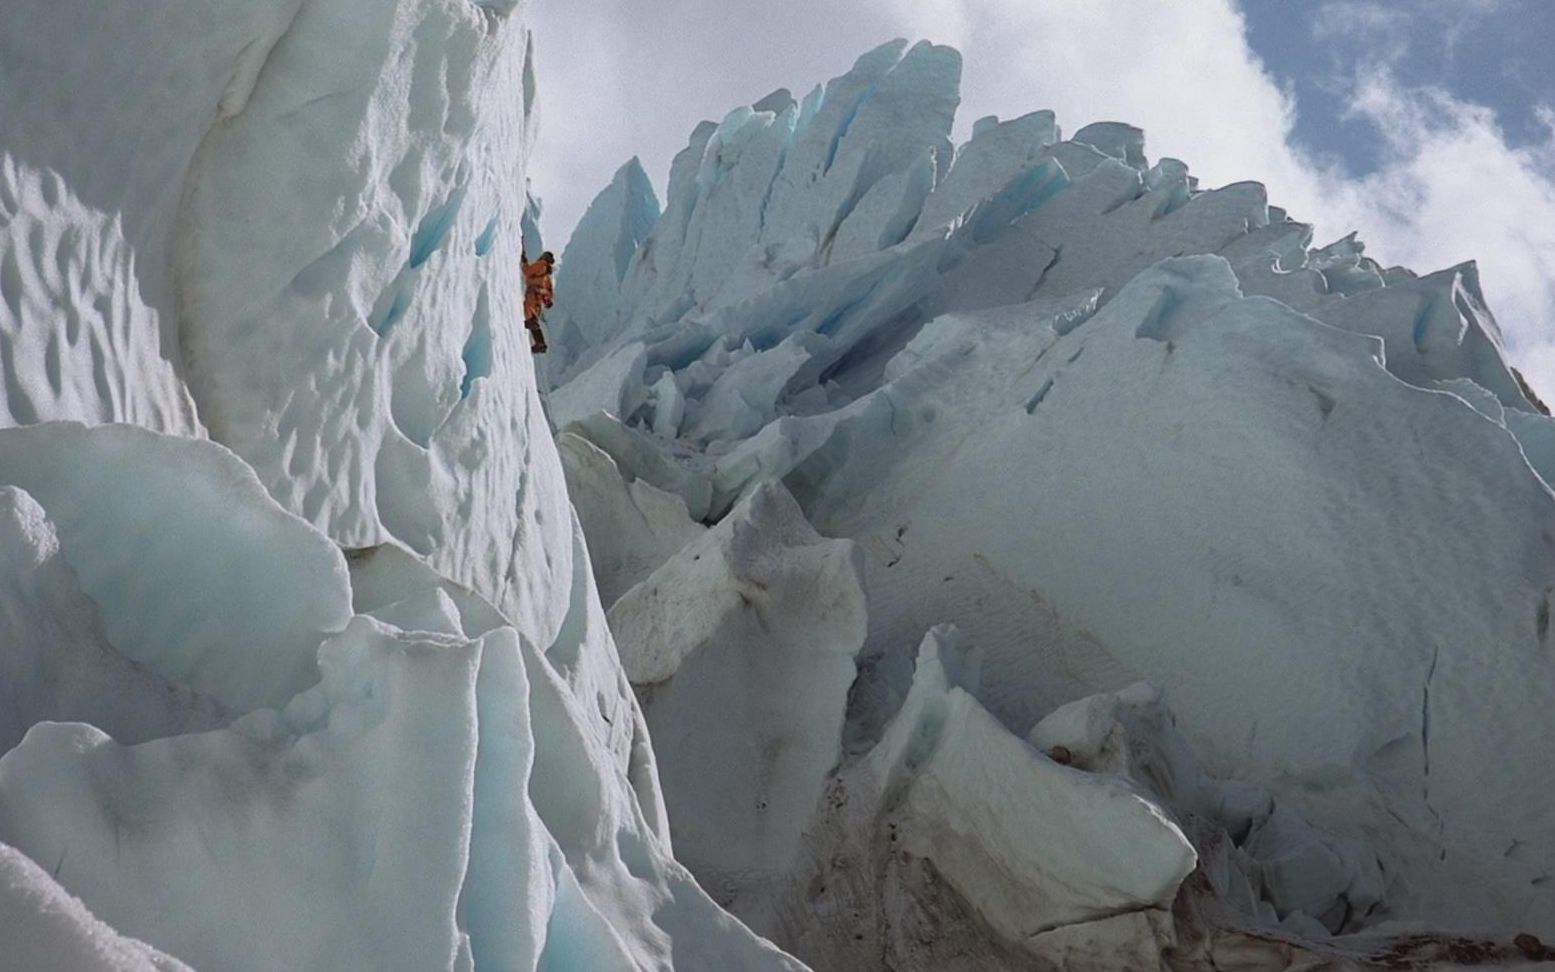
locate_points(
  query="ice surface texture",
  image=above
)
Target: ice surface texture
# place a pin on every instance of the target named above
(302, 666)
(1114, 427)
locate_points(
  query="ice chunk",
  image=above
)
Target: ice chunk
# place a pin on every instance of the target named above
(589, 276)
(43, 928)
(886, 214)
(386, 577)
(1435, 327)
(56, 664)
(196, 572)
(1032, 844)
(634, 526)
(742, 650)
(638, 457)
(894, 107)
(122, 827)
(744, 397)
(606, 386)
(997, 154)
(1131, 734)
(1122, 142)
(1305, 872)
(430, 805)
(669, 406)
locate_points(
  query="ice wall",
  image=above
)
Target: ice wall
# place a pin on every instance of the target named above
(304, 663)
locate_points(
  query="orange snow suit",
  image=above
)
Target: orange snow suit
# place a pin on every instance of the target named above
(539, 292)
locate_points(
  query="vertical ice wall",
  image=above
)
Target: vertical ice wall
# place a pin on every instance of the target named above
(331, 601)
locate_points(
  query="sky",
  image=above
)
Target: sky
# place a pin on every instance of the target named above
(1426, 125)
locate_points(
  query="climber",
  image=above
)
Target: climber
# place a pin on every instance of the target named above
(538, 295)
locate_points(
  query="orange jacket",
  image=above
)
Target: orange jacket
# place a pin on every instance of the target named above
(539, 291)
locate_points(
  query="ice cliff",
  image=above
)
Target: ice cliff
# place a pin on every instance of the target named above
(1031, 558)
(302, 665)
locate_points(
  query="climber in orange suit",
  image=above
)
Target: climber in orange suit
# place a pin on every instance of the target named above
(538, 295)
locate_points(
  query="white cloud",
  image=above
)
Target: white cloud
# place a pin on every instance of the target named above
(620, 78)
(1451, 189)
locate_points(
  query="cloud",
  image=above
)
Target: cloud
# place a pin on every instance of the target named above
(622, 78)
(1389, 30)
(1451, 189)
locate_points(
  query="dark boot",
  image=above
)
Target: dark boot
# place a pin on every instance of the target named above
(537, 343)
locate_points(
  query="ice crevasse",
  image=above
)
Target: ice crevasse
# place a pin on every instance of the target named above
(1258, 533)
(302, 664)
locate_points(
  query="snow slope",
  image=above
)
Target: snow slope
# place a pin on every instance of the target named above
(1115, 427)
(302, 665)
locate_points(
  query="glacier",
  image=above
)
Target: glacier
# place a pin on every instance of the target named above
(910, 556)
(302, 662)
(1206, 572)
